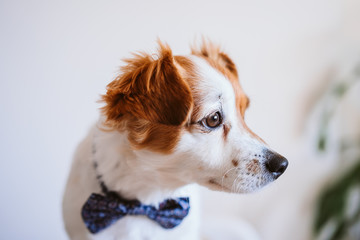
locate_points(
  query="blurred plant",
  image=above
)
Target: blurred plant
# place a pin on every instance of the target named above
(338, 206)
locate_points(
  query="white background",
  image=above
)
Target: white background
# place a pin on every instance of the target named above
(56, 58)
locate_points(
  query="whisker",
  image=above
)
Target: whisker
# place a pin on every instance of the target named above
(233, 186)
(222, 179)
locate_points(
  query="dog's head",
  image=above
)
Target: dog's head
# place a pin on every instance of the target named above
(189, 112)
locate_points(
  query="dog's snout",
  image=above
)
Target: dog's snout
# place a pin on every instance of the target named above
(276, 164)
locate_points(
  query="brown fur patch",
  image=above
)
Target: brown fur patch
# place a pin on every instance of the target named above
(150, 99)
(253, 167)
(157, 137)
(226, 129)
(235, 162)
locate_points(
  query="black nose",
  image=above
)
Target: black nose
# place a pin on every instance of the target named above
(276, 164)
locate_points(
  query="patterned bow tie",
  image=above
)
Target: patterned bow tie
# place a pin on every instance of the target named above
(99, 211)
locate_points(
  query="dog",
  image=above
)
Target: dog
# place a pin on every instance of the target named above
(168, 122)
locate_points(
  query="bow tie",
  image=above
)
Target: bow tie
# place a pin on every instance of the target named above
(99, 211)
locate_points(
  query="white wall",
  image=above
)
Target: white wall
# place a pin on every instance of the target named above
(56, 57)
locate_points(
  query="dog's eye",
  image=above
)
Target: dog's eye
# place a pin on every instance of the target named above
(213, 120)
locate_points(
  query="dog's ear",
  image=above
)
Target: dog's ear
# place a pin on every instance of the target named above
(149, 89)
(215, 56)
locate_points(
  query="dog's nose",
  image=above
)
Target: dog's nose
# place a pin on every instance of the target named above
(276, 164)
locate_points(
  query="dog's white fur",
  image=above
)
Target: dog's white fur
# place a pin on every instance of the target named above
(203, 158)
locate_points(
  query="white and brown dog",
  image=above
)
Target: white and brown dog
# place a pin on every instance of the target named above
(168, 122)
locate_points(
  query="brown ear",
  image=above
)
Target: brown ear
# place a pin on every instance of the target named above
(150, 89)
(215, 56)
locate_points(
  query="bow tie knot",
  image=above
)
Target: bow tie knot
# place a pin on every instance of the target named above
(99, 211)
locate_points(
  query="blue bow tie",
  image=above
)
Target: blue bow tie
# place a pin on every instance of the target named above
(99, 211)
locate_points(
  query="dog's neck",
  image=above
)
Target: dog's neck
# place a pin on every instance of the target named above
(132, 173)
